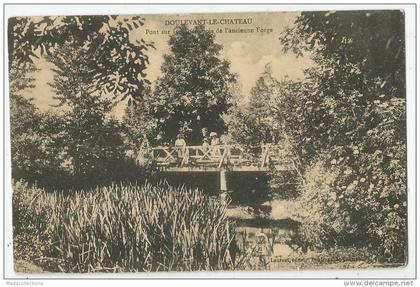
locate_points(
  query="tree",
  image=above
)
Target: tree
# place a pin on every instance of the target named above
(21, 78)
(95, 64)
(371, 42)
(349, 118)
(36, 140)
(260, 122)
(117, 66)
(253, 124)
(194, 90)
(138, 123)
(94, 142)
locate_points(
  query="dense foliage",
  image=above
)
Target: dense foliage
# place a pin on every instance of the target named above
(344, 126)
(349, 120)
(36, 143)
(93, 140)
(124, 228)
(79, 144)
(371, 42)
(139, 125)
(77, 148)
(253, 124)
(117, 64)
(260, 122)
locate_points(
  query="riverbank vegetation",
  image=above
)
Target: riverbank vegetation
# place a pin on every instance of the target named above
(88, 207)
(120, 228)
(344, 125)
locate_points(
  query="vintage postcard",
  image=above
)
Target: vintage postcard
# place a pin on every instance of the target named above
(252, 141)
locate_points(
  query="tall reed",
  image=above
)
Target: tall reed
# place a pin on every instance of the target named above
(130, 228)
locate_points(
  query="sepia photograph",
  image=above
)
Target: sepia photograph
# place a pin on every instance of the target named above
(184, 142)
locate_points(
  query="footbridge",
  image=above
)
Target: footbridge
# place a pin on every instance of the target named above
(222, 159)
(231, 158)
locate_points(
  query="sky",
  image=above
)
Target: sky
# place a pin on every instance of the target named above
(248, 51)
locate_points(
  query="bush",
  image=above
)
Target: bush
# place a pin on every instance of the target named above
(347, 119)
(340, 206)
(318, 210)
(126, 228)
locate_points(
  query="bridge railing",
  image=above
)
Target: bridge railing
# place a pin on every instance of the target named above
(197, 155)
(219, 155)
